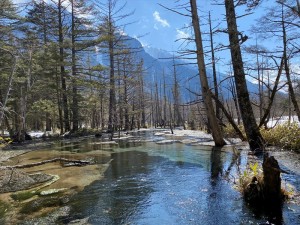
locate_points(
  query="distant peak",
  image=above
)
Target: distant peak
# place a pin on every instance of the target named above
(158, 53)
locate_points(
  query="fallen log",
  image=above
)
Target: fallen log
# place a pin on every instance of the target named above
(68, 162)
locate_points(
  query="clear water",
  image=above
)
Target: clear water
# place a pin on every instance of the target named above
(148, 183)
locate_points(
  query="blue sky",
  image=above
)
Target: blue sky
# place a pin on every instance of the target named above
(158, 27)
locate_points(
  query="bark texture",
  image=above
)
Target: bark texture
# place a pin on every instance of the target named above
(211, 116)
(254, 137)
(272, 180)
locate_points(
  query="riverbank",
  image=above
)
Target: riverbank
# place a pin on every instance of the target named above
(49, 199)
(33, 192)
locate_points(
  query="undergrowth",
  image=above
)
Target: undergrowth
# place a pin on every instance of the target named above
(4, 142)
(4, 207)
(229, 131)
(245, 178)
(22, 196)
(285, 136)
(255, 170)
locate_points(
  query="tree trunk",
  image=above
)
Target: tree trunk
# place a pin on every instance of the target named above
(212, 120)
(9, 87)
(112, 95)
(62, 68)
(176, 93)
(230, 119)
(271, 180)
(59, 104)
(216, 89)
(254, 137)
(272, 96)
(126, 104)
(287, 70)
(74, 73)
(235, 100)
(164, 102)
(48, 122)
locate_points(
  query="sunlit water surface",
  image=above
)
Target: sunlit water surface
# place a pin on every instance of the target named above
(148, 183)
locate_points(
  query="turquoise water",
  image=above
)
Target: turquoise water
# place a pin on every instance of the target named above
(148, 183)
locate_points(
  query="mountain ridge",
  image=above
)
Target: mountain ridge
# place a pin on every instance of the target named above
(187, 74)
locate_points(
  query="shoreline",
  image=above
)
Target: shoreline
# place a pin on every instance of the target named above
(69, 185)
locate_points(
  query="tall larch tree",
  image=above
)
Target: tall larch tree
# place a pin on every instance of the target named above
(63, 74)
(82, 36)
(253, 134)
(206, 93)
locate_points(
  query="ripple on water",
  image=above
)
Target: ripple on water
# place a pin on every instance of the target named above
(166, 184)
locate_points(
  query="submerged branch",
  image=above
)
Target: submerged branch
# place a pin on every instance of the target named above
(61, 160)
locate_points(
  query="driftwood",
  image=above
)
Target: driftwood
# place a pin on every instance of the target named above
(68, 162)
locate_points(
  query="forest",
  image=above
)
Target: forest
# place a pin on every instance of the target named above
(69, 70)
(52, 81)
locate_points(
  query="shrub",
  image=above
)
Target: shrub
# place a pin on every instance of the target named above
(4, 142)
(229, 132)
(286, 136)
(253, 170)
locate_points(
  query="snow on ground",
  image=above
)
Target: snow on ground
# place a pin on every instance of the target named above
(190, 137)
(282, 120)
(184, 133)
(192, 133)
(36, 134)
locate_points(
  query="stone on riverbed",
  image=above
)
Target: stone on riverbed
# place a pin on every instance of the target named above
(164, 142)
(105, 143)
(12, 180)
(52, 191)
(189, 141)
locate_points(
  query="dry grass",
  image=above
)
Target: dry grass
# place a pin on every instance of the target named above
(285, 136)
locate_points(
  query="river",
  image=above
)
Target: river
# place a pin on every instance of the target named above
(147, 183)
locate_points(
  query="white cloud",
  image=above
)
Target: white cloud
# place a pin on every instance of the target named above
(295, 68)
(162, 22)
(122, 32)
(181, 34)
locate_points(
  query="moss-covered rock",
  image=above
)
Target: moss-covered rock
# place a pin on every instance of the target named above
(4, 207)
(23, 195)
(43, 202)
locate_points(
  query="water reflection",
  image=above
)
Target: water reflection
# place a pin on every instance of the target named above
(216, 163)
(172, 184)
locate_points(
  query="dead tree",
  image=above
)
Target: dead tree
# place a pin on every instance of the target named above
(212, 119)
(253, 134)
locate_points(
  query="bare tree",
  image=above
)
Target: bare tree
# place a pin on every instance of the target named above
(254, 137)
(206, 93)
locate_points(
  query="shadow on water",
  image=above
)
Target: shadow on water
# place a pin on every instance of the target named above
(272, 212)
(172, 184)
